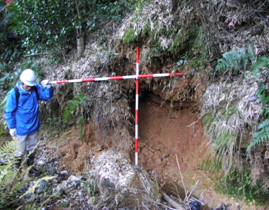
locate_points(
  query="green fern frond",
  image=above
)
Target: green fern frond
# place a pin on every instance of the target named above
(235, 60)
(263, 95)
(8, 149)
(32, 189)
(266, 110)
(10, 181)
(30, 204)
(262, 135)
(264, 125)
(230, 59)
(261, 62)
(243, 57)
(82, 99)
(70, 108)
(222, 65)
(251, 54)
(12, 193)
(265, 61)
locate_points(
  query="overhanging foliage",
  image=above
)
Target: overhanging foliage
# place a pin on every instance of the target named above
(52, 26)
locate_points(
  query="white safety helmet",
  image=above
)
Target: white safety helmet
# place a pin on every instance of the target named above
(28, 77)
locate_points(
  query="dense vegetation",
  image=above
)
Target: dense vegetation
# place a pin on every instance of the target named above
(50, 28)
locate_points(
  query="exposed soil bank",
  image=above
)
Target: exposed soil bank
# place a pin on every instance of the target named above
(170, 132)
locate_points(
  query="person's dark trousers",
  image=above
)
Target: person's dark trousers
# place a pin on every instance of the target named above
(30, 161)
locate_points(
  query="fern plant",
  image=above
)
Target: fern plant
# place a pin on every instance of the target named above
(235, 61)
(75, 107)
(10, 182)
(13, 182)
(262, 61)
(262, 134)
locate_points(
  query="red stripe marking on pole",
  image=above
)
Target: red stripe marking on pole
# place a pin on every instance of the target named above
(88, 80)
(117, 77)
(137, 55)
(62, 81)
(137, 87)
(136, 116)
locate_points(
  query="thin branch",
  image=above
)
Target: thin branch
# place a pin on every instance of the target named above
(181, 176)
(172, 202)
(192, 191)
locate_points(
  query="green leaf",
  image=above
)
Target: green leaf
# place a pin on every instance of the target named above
(251, 54)
(243, 57)
(262, 135)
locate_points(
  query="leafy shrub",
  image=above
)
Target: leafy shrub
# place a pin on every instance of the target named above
(10, 48)
(43, 25)
(52, 26)
(75, 108)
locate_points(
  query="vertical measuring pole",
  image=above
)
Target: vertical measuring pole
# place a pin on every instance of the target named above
(136, 105)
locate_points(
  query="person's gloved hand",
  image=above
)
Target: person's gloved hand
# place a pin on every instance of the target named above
(45, 84)
(13, 132)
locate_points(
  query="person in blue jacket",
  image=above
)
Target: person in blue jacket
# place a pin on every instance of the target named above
(22, 114)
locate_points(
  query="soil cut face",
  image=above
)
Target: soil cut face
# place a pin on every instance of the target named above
(172, 144)
(167, 132)
(172, 147)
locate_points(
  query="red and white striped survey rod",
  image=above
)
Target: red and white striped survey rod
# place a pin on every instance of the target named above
(96, 79)
(136, 105)
(136, 77)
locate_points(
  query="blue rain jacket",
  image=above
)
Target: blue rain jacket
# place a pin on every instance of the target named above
(25, 116)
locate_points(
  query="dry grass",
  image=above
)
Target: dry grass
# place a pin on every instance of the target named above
(122, 184)
(230, 116)
(159, 23)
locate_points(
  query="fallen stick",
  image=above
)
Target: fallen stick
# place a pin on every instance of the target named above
(187, 198)
(181, 177)
(173, 203)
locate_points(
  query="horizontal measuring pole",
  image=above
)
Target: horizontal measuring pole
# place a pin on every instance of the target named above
(116, 78)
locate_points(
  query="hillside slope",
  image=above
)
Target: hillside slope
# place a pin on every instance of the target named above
(188, 38)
